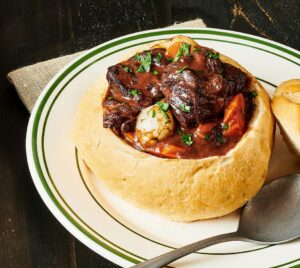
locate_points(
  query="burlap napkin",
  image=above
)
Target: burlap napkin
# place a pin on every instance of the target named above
(30, 80)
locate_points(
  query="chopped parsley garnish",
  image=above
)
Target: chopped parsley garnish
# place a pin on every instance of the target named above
(140, 69)
(169, 59)
(158, 57)
(153, 113)
(219, 137)
(253, 93)
(185, 108)
(213, 55)
(137, 57)
(164, 107)
(127, 69)
(225, 126)
(155, 72)
(187, 139)
(206, 136)
(182, 69)
(184, 49)
(110, 98)
(145, 62)
(197, 49)
(135, 92)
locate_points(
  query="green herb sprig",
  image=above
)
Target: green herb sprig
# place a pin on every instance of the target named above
(146, 61)
(135, 92)
(140, 69)
(220, 138)
(224, 126)
(127, 69)
(182, 69)
(185, 108)
(158, 57)
(213, 55)
(153, 113)
(137, 57)
(184, 49)
(206, 136)
(187, 139)
(164, 107)
(254, 93)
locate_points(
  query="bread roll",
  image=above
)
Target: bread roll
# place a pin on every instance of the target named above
(286, 108)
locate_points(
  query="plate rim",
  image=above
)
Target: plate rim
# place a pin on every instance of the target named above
(55, 81)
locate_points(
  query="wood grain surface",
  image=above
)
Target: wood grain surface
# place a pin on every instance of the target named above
(35, 30)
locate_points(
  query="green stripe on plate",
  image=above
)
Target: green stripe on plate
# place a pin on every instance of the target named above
(288, 263)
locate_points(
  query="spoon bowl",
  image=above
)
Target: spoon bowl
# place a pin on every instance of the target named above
(273, 215)
(270, 217)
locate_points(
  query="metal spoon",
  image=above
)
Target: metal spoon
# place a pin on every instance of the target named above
(271, 217)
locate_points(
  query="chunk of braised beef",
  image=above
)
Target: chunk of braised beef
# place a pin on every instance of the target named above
(155, 92)
(238, 81)
(132, 84)
(124, 90)
(186, 94)
(214, 65)
(119, 116)
(216, 85)
(128, 125)
(118, 90)
(121, 108)
(216, 90)
(213, 62)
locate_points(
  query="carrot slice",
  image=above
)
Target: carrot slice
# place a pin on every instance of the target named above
(172, 50)
(234, 118)
(167, 150)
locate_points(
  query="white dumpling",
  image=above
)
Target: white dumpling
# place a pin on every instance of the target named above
(154, 123)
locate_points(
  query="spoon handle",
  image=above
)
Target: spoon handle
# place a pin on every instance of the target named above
(175, 254)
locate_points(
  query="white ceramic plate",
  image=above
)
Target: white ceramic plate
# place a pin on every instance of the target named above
(105, 223)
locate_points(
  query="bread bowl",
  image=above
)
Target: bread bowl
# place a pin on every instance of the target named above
(286, 108)
(183, 186)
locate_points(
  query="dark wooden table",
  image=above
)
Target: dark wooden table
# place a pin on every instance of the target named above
(32, 31)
